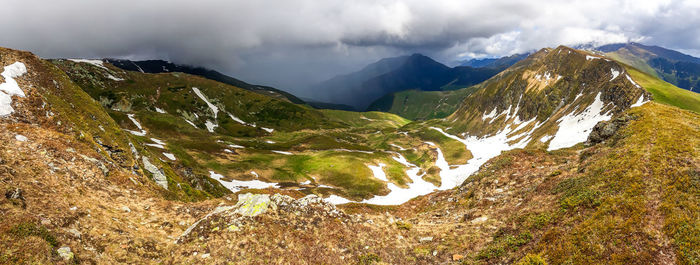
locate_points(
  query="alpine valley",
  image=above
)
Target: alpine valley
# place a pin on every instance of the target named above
(559, 156)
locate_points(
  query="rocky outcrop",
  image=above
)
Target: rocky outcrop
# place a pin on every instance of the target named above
(236, 218)
(606, 129)
(158, 176)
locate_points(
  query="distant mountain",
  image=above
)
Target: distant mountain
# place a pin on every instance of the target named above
(674, 67)
(386, 76)
(160, 66)
(503, 62)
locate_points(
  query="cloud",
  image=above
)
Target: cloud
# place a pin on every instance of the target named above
(292, 43)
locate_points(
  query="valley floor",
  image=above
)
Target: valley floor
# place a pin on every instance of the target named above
(632, 199)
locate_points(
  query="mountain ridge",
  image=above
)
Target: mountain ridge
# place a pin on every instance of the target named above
(397, 74)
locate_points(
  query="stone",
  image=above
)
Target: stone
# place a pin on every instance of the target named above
(158, 176)
(252, 204)
(480, 219)
(74, 232)
(15, 196)
(126, 209)
(65, 253)
(425, 239)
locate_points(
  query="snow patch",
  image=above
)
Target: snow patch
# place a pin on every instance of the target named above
(482, 150)
(588, 57)
(282, 152)
(639, 102)
(236, 146)
(191, 123)
(160, 146)
(211, 106)
(575, 128)
(159, 110)
(114, 78)
(10, 87)
(20, 138)
(378, 171)
(141, 131)
(170, 156)
(546, 138)
(397, 195)
(210, 126)
(399, 147)
(267, 129)
(335, 199)
(615, 73)
(237, 185)
(632, 81)
(97, 63)
(491, 115)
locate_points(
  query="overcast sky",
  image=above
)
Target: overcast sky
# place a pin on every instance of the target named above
(291, 43)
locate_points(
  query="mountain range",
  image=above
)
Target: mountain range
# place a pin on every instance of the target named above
(566, 156)
(672, 66)
(359, 89)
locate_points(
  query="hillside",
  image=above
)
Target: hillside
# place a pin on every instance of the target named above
(566, 157)
(212, 133)
(679, 69)
(160, 66)
(391, 75)
(422, 105)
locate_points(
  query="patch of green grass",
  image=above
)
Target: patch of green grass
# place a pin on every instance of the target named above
(532, 259)
(504, 243)
(423, 105)
(368, 259)
(29, 229)
(403, 225)
(665, 92)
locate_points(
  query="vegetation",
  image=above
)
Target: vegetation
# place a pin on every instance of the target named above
(422, 105)
(667, 93)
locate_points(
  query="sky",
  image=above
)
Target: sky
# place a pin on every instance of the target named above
(291, 44)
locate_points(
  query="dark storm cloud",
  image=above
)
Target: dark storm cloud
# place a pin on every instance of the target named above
(291, 43)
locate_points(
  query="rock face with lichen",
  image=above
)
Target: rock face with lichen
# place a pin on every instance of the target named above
(158, 176)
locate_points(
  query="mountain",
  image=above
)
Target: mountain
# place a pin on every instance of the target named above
(160, 66)
(674, 67)
(391, 75)
(423, 105)
(503, 62)
(567, 157)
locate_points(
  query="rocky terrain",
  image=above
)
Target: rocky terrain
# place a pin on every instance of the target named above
(87, 180)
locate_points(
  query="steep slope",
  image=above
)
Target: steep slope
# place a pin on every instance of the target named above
(550, 90)
(674, 67)
(397, 74)
(160, 66)
(503, 62)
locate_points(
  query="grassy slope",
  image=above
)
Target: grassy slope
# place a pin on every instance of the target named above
(643, 186)
(635, 61)
(667, 93)
(312, 135)
(423, 105)
(630, 200)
